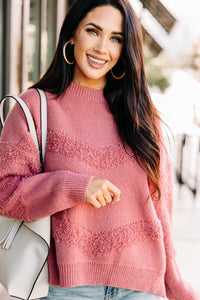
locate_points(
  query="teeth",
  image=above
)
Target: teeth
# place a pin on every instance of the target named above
(97, 60)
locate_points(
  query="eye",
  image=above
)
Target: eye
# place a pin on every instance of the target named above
(117, 39)
(92, 31)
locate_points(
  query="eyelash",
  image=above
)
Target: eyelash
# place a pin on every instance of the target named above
(115, 39)
(92, 31)
(118, 40)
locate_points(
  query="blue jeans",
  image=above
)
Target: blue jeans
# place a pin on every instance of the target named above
(97, 292)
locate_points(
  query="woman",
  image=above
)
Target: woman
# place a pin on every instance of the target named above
(107, 179)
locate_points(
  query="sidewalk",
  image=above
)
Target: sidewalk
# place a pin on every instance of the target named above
(186, 232)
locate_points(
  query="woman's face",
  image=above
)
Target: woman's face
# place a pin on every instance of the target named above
(98, 43)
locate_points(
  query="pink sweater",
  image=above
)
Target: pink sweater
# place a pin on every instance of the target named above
(127, 244)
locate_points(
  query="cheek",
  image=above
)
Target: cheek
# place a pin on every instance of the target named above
(79, 52)
(80, 48)
(116, 52)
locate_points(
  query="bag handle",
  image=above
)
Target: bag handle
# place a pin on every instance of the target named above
(29, 119)
(43, 124)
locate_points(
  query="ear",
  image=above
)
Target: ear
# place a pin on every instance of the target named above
(72, 41)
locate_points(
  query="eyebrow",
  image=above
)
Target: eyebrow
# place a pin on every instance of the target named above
(99, 28)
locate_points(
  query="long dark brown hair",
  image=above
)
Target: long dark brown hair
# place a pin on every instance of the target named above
(128, 98)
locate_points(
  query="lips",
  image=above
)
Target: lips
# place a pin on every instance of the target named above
(96, 62)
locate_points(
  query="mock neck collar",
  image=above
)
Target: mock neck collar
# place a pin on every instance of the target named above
(85, 93)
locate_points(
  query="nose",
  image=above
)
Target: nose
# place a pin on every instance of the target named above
(101, 45)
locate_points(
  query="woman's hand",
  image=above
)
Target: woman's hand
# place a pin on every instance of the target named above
(101, 191)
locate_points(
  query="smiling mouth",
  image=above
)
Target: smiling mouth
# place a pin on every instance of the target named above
(97, 61)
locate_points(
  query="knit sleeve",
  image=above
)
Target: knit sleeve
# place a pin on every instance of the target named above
(26, 193)
(176, 288)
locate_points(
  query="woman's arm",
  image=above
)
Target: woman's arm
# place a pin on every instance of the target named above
(26, 193)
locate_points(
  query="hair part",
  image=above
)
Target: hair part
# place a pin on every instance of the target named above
(128, 98)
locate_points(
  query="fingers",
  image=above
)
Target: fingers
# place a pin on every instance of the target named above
(115, 192)
(101, 192)
(107, 196)
(94, 202)
(100, 197)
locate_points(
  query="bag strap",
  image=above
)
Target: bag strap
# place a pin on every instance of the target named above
(29, 119)
(43, 124)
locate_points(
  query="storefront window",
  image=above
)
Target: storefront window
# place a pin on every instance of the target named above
(51, 30)
(41, 37)
(34, 42)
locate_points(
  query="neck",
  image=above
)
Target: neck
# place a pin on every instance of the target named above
(97, 84)
(90, 84)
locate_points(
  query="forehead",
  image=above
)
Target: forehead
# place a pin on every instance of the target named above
(107, 17)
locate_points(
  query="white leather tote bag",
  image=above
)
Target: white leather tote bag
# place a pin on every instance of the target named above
(24, 246)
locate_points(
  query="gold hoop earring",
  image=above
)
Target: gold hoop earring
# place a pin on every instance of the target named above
(120, 77)
(64, 54)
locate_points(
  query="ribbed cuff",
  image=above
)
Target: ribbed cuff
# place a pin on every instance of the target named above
(76, 186)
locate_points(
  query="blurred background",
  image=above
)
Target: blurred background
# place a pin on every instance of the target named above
(29, 32)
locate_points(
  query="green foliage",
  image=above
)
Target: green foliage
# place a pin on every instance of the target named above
(155, 77)
(155, 71)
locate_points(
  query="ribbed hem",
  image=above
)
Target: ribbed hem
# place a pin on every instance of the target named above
(91, 273)
(76, 186)
(85, 93)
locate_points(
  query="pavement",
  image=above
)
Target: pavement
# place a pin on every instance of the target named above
(186, 233)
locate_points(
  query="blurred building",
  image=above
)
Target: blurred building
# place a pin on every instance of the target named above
(158, 16)
(29, 31)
